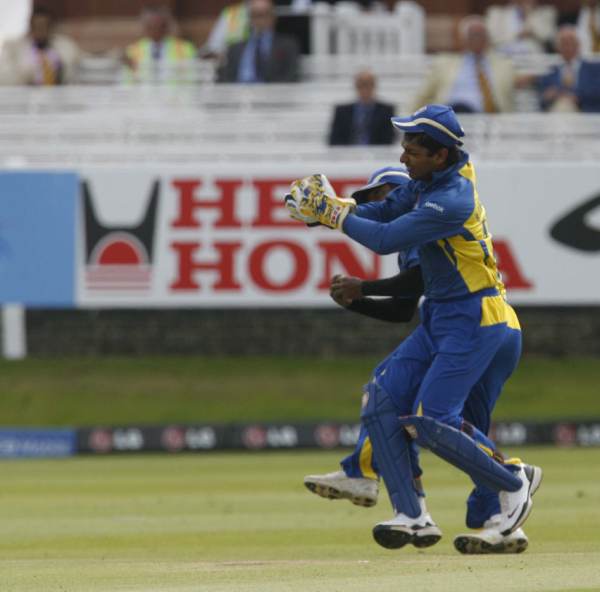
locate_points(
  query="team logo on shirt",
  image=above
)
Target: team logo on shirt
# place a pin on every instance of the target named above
(118, 258)
(434, 206)
(574, 229)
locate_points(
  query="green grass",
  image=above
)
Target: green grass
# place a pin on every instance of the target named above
(244, 523)
(149, 390)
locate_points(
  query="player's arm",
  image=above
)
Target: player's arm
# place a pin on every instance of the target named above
(314, 198)
(415, 228)
(393, 310)
(398, 202)
(403, 289)
(406, 284)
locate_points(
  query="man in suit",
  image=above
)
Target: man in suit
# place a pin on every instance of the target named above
(265, 56)
(366, 121)
(474, 81)
(573, 85)
(40, 58)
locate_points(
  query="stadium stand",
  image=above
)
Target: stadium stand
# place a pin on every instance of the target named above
(118, 124)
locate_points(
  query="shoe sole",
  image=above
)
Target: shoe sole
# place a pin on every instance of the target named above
(534, 484)
(329, 492)
(472, 545)
(393, 538)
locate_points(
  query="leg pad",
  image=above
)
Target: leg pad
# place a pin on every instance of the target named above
(390, 450)
(461, 451)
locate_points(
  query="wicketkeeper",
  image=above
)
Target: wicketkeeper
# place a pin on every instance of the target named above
(397, 300)
(420, 396)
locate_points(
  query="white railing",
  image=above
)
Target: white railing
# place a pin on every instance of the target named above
(344, 28)
(74, 126)
(406, 67)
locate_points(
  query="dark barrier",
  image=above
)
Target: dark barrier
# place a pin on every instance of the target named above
(291, 436)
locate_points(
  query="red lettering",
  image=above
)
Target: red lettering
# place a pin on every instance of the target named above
(187, 266)
(257, 266)
(270, 202)
(342, 254)
(512, 276)
(188, 203)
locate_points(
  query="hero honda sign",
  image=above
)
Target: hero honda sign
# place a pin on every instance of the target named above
(206, 240)
(213, 239)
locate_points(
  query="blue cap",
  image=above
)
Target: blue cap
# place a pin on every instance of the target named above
(387, 175)
(437, 121)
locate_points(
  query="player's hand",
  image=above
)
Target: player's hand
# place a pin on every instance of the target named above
(294, 212)
(344, 290)
(315, 198)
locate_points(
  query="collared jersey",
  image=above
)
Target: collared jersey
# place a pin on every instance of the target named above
(445, 220)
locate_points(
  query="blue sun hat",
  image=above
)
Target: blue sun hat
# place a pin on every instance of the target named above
(390, 174)
(437, 121)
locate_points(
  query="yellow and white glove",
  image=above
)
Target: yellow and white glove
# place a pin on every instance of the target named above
(313, 200)
(294, 212)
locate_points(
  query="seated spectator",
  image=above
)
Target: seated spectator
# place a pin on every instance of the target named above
(573, 85)
(42, 57)
(365, 121)
(232, 26)
(475, 81)
(159, 57)
(265, 56)
(521, 27)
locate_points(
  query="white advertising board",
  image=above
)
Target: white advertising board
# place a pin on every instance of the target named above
(220, 237)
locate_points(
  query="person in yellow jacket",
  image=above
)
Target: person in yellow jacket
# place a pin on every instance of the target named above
(159, 57)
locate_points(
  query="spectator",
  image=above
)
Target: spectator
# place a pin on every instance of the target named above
(521, 27)
(42, 57)
(366, 121)
(475, 81)
(266, 56)
(159, 57)
(573, 85)
(588, 26)
(231, 27)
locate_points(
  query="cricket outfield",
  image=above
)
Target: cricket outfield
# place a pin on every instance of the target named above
(244, 523)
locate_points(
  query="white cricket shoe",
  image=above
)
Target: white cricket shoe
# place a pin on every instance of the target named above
(421, 531)
(515, 506)
(337, 485)
(489, 540)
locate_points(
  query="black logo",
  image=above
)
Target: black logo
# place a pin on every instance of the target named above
(573, 231)
(119, 258)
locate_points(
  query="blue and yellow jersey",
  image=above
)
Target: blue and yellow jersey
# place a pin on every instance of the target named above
(446, 222)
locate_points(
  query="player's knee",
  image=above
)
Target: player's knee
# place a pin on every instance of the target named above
(452, 419)
(376, 402)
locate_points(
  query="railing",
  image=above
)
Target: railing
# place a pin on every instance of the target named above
(405, 67)
(73, 126)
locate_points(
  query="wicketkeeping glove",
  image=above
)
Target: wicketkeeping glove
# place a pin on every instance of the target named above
(294, 212)
(314, 198)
